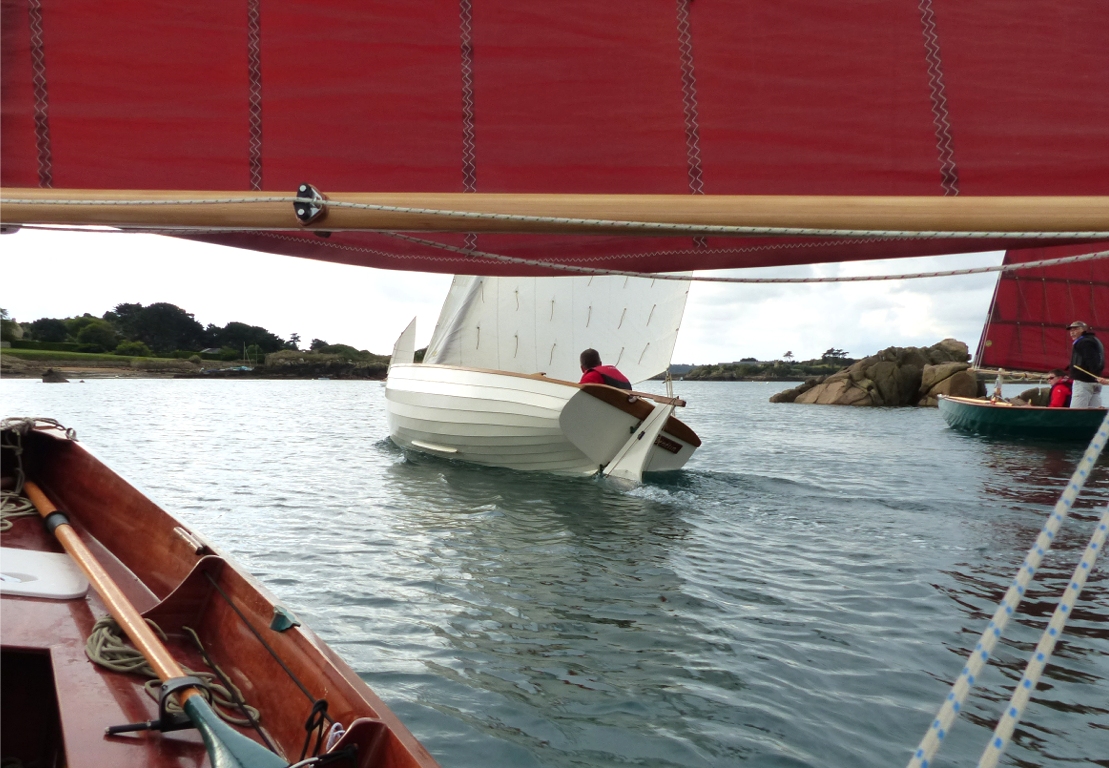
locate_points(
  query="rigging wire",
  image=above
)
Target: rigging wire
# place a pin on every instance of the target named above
(599, 271)
(1031, 677)
(956, 698)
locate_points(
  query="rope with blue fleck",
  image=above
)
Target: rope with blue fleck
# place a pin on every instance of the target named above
(953, 704)
(1038, 662)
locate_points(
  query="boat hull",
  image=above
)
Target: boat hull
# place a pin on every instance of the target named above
(176, 579)
(500, 419)
(1004, 420)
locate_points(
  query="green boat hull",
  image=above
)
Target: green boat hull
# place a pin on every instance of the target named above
(981, 417)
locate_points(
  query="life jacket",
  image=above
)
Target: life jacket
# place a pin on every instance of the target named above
(1065, 388)
(612, 376)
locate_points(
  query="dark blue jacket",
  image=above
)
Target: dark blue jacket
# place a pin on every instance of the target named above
(1088, 353)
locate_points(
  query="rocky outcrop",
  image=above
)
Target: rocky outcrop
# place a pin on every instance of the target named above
(897, 376)
(50, 376)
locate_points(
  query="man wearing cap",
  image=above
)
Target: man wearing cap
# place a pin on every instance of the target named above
(1087, 361)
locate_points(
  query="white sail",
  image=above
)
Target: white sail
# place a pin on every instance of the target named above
(541, 324)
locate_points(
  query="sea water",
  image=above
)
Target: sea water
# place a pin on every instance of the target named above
(802, 594)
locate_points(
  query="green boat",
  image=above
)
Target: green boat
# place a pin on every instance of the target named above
(983, 417)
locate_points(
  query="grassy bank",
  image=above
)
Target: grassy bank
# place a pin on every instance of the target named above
(77, 358)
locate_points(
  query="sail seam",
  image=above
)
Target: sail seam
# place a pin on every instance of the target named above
(949, 171)
(689, 103)
(689, 100)
(469, 152)
(254, 63)
(42, 102)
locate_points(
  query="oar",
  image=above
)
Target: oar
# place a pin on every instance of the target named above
(227, 748)
(1083, 370)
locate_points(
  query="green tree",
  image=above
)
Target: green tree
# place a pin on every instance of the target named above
(49, 329)
(98, 336)
(133, 348)
(238, 335)
(294, 341)
(316, 344)
(74, 325)
(788, 356)
(163, 327)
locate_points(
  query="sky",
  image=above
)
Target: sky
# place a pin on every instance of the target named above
(61, 274)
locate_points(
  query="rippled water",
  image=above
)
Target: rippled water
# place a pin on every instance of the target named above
(802, 595)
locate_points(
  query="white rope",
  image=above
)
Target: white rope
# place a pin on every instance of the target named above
(1036, 664)
(953, 704)
(572, 268)
(650, 226)
(747, 280)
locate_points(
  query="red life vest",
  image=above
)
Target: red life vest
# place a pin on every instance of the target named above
(606, 374)
(1061, 393)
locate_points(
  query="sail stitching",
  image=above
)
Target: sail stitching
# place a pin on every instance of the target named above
(469, 156)
(949, 172)
(469, 145)
(254, 63)
(689, 102)
(42, 104)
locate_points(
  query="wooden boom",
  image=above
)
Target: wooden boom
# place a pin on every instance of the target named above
(222, 209)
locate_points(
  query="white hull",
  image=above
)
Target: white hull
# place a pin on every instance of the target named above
(509, 420)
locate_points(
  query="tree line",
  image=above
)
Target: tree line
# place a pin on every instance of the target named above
(160, 329)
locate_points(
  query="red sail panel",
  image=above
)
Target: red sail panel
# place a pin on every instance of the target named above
(668, 96)
(1026, 326)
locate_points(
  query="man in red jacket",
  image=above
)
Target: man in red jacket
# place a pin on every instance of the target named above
(1060, 389)
(595, 373)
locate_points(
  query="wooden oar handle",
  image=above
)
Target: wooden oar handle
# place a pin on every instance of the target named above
(118, 605)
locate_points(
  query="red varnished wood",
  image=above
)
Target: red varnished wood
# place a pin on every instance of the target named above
(135, 541)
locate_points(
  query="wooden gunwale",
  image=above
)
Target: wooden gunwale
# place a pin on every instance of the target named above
(1004, 214)
(151, 563)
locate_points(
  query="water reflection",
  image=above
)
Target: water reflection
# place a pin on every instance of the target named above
(558, 597)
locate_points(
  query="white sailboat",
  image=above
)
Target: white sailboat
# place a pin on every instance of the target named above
(498, 383)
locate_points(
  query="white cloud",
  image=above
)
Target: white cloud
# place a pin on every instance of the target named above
(58, 274)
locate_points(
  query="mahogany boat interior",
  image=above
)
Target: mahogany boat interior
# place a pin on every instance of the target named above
(57, 703)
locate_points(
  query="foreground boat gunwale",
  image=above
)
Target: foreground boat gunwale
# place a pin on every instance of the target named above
(70, 475)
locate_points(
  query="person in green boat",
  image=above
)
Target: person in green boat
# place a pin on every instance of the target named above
(1060, 389)
(1086, 365)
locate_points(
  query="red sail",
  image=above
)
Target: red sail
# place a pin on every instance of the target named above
(1026, 327)
(938, 97)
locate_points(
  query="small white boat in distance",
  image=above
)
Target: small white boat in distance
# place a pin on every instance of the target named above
(478, 397)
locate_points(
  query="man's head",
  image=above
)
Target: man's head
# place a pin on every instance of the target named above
(1077, 328)
(590, 358)
(1054, 375)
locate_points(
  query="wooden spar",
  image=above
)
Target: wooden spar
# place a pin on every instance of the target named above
(942, 214)
(129, 619)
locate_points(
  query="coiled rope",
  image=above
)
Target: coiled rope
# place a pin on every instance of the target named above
(13, 505)
(953, 704)
(107, 647)
(647, 226)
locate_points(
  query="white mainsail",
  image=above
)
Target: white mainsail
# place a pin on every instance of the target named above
(541, 324)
